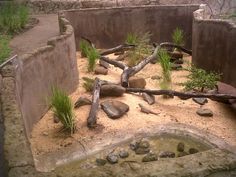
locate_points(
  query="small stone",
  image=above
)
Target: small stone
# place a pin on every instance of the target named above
(101, 162)
(180, 147)
(104, 64)
(114, 109)
(193, 151)
(181, 154)
(137, 82)
(134, 145)
(100, 70)
(150, 157)
(156, 77)
(167, 154)
(204, 112)
(150, 99)
(176, 66)
(112, 158)
(82, 101)
(200, 101)
(144, 144)
(112, 90)
(140, 151)
(124, 154)
(55, 119)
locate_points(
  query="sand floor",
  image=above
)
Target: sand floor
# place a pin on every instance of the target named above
(46, 138)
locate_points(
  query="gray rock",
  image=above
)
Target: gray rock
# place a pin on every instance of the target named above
(134, 145)
(124, 154)
(150, 157)
(200, 101)
(82, 101)
(114, 109)
(112, 90)
(101, 162)
(193, 151)
(176, 66)
(104, 64)
(144, 144)
(181, 154)
(100, 70)
(166, 154)
(137, 82)
(112, 158)
(150, 99)
(140, 151)
(180, 147)
(204, 112)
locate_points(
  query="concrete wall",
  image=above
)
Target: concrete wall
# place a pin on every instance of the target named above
(214, 44)
(109, 27)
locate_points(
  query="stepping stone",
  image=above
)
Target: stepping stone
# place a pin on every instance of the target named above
(204, 112)
(200, 101)
(167, 154)
(150, 99)
(150, 157)
(82, 101)
(100, 70)
(112, 158)
(137, 82)
(114, 109)
(112, 90)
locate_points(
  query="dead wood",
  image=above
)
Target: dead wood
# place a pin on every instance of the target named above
(169, 44)
(118, 48)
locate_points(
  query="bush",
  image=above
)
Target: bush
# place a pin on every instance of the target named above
(131, 38)
(4, 48)
(63, 109)
(13, 17)
(92, 55)
(84, 47)
(88, 84)
(199, 79)
(178, 36)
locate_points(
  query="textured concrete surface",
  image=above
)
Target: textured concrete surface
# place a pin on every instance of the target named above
(109, 27)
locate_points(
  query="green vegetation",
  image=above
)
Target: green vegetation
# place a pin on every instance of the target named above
(88, 84)
(63, 109)
(142, 48)
(164, 59)
(178, 36)
(13, 17)
(199, 80)
(4, 48)
(84, 47)
(92, 55)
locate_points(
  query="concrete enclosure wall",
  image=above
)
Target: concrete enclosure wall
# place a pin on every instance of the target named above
(214, 43)
(109, 27)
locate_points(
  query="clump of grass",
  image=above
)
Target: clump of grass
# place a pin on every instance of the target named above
(199, 80)
(165, 63)
(84, 47)
(178, 36)
(88, 84)
(63, 109)
(92, 55)
(131, 38)
(4, 48)
(13, 17)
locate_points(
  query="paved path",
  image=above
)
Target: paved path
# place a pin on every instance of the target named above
(37, 36)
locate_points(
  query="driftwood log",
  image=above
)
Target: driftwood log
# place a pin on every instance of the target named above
(92, 118)
(213, 96)
(118, 48)
(169, 44)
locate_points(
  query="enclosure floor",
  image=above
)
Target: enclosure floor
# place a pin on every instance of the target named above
(46, 137)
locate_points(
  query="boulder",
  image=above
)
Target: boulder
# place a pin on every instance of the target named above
(114, 109)
(150, 99)
(180, 147)
(100, 70)
(112, 90)
(137, 82)
(200, 101)
(82, 101)
(204, 112)
(150, 157)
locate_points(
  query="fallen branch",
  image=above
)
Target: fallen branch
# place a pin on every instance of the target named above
(117, 49)
(92, 118)
(212, 96)
(113, 62)
(169, 44)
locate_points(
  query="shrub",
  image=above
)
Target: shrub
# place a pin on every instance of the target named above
(84, 47)
(92, 55)
(88, 84)
(178, 36)
(13, 17)
(199, 79)
(131, 38)
(4, 48)
(63, 109)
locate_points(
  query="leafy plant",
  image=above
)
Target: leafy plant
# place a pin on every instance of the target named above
(165, 63)
(199, 79)
(92, 55)
(178, 36)
(63, 109)
(131, 38)
(13, 17)
(84, 47)
(4, 48)
(88, 84)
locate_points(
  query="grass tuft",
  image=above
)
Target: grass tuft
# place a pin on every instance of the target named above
(63, 109)
(88, 84)
(92, 55)
(178, 36)
(4, 48)
(84, 47)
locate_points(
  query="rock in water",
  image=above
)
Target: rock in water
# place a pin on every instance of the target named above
(180, 147)
(137, 82)
(204, 112)
(112, 158)
(100, 70)
(143, 147)
(150, 157)
(114, 109)
(150, 99)
(112, 90)
(193, 151)
(82, 101)
(167, 154)
(124, 154)
(200, 101)
(101, 162)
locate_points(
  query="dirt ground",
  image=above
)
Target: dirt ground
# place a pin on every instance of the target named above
(46, 138)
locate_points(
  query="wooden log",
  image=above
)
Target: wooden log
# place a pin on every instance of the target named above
(113, 62)
(212, 96)
(92, 118)
(169, 44)
(117, 49)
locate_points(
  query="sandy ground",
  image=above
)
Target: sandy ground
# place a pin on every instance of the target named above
(46, 138)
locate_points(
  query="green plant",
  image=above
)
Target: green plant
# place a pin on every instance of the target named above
(4, 48)
(92, 55)
(178, 36)
(84, 47)
(131, 38)
(13, 17)
(88, 84)
(63, 109)
(165, 63)
(199, 79)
